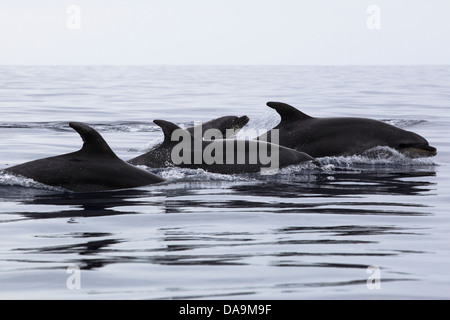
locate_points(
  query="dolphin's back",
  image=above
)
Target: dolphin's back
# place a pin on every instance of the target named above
(93, 168)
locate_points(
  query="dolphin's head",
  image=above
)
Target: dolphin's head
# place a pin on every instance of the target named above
(232, 122)
(225, 125)
(415, 146)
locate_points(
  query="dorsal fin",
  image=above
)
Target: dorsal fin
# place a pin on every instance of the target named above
(93, 141)
(287, 112)
(168, 128)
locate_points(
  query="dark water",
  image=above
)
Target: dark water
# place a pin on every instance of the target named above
(302, 233)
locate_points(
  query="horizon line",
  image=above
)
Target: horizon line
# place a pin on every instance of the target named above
(224, 65)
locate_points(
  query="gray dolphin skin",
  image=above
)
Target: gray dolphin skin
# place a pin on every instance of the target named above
(321, 137)
(232, 161)
(227, 125)
(157, 157)
(95, 167)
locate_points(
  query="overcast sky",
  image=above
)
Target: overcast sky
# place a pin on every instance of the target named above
(224, 32)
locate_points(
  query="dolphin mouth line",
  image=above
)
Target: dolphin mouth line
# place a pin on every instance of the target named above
(430, 151)
(242, 121)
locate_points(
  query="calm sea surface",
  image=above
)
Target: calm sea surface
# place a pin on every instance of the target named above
(360, 228)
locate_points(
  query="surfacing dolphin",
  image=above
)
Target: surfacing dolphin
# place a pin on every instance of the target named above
(227, 125)
(321, 137)
(95, 167)
(226, 156)
(158, 158)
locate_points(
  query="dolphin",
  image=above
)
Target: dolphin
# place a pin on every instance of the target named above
(322, 137)
(227, 125)
(95, 167)
(227, 156)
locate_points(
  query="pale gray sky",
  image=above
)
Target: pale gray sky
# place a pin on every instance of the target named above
(224, 32)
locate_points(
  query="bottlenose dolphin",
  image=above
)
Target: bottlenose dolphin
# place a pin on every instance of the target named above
(226, 156)
(158, 158)
(321, 137)
(227, 125)
(95, 167)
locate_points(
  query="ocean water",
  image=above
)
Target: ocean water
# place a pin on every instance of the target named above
(359, 228)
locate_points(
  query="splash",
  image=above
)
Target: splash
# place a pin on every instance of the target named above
(256, 127)
(8, 179)
(378, 156)
(182, 174)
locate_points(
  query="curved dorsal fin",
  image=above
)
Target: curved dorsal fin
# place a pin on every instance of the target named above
(168, 128)
(93, 141)
(287, 112)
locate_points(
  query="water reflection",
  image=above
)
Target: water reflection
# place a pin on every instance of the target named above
(72, 205)
(182, 247)
(346, 192)
(344, 183)
(342, 245)
(343, 192)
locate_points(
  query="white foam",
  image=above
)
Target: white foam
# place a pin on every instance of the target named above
(13, 180)
(377, 156)
(174, 174)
